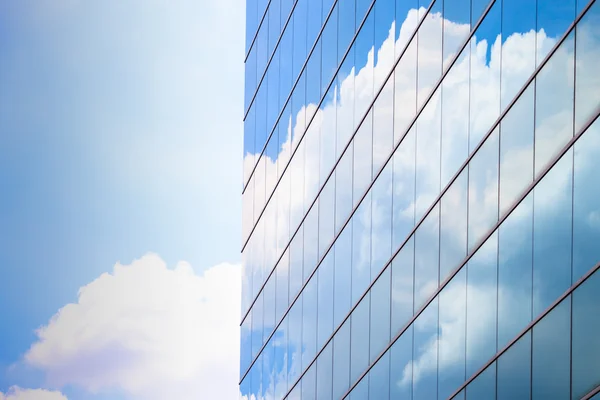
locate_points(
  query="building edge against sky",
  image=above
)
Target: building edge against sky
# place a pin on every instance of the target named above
(420, 213)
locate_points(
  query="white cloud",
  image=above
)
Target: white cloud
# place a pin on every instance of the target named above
(147, 330)
(17, 393)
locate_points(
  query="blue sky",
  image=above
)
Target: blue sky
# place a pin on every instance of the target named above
(116, 139)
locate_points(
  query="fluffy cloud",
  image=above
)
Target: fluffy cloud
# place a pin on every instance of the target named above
(16, 393)
(147, 330)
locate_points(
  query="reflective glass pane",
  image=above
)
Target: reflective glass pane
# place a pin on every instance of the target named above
(405, 87)
(311, 242)
(379, 379)
(427, 241)
(515, 273)
(309, 322)
(343, 274)
(484, 386)
(381, 218)
(514, 371)
(324, 373)
(403, 209)
(343, 188)
(325, 297)
(402, 287)
(585, 362)
(551, 357)
(587, 57)
(380, 314)
(309, 383)
(482, 297)
(341, 360)
(361, 248)
(552, 234)
(425, 353)
(363, 155)
(429, 39)
(401, 366)
(553, 19)
(359, 350)
(453, 230)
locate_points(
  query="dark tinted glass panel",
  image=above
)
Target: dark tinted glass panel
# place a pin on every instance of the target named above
(484, 386)
(514, 371)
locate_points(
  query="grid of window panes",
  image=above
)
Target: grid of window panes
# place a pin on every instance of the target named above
(420, 199)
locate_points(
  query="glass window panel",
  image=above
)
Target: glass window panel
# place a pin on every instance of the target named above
(453, 231)
(485, 75)
(482, 297)
(311, 242)
(405, 90)
(296, 251)
(245, 344)
(554, 105)
(460, 395)
(341, 360)
(281, 359)
(402, 287)
(401, 366)
(428, 155)
(297, 187)
(425, 351)
(514, 371)
(518, 47)
(585, 363)
(381, 219)
(452, 335)
(282, 286)
(329, 45)
(553, 19)
(309, 383)
(257, 377)
(483, 190)
(383, 125)
(515, 272)
(283, 212)
(309, 322)
(257, 325)
(361, 248)
(295, 342)
(359, 349)
(455, 121)
(272, 79)
(379, 379)
(298, 110)
(311, 162)
(429, 42)
(484, 386)
(324, 373)
(380, 314)
(268, 372)
(313, 80)
(346, 17)
(314, 21)
(296, 393)
(363, 62)
(551, 356)
(516, 150)
(345, 107)
(343, 188)
(586, 211)
(457, 16)
(363, 153)
(250, 83)
(403, 190)
(269, 306)
(327, 120)
(262, 48)
(251, 21)
(384, 41)
(325, 296)
(326, 216)
(477, 9)
(587, 57)
(300, 34)
(343, 275)
(286, 52)
(552, 234)
(361, 391)
(406, 22)
(427, 242)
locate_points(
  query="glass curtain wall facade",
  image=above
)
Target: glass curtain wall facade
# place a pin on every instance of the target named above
(421, 213)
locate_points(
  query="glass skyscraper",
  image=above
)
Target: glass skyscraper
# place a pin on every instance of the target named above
(421, 200)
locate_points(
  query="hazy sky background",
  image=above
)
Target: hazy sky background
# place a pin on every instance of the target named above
(120, 135)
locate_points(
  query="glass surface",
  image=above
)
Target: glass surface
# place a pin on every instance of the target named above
(554, 105)
(324, 373)
(343, 275)
(401, 366)
(483, 190)
(363, 62)
(482, 298)
(405, 87)
(515, 272)
(516, 150)
(429, 43)
(343, 188)
(325, 298)
(341, 360)
(586, 192)
(383, 125)
(309, 322)
(484, 386)
(514, 371)
(587, 80)
(296, 252)
(425, 353)
(552, 234)
(403, 190)
(427, 239)
(553, 19)
(381, 220)
(363, 155)
(326, 216)
(453, 229)
(282, 286)
(269, 307)
(359, 339)
(360, 391)
(551, 354)
(380, 314)
(309, 383)
(361, 249)
(379, 379)
(295, 342)
(452, 335)
(402, 287)
(257, 325)
(585, 362)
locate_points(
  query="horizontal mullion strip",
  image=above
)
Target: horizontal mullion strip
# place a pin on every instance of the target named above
(461, 169)
(480, 243)
(298, 80)
(262, 19)
(592, 393)
(530, 327)
(329, 176)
